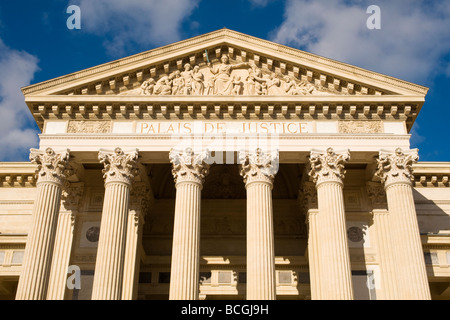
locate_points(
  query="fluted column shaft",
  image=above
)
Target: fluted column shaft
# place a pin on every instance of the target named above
(63, 242)
(395, 171)
(261, 283)
(119, 172)
(327, 171)
(412, 273)
(258, 170)
(111, 245)
(184, 281)
(189, 171)
(335, 256)
(33, 281)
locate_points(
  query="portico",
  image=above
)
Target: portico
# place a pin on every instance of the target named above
(249, 192)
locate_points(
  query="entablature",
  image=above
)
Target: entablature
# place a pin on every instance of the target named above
(396, 108)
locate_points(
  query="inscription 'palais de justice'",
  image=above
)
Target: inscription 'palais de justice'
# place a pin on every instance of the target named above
(223, 127)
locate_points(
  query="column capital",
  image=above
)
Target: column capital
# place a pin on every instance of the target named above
(52, 167)
(71, 196)
(396, 167)
(377, 194)
(259, 166)
(141, 199)
(119, 166)
(307, 195)
(328, 166)
(189, 166)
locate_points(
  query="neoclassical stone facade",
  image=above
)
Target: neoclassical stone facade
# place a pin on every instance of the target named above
(225, 167)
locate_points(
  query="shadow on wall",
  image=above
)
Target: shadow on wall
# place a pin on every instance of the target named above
(431, 217)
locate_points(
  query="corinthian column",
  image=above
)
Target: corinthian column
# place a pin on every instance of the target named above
(119, 171)
(383, 231)
(52, 172)
(258, 170)
(327, 171)
(189, 171)
(395, 172)
(71, 196)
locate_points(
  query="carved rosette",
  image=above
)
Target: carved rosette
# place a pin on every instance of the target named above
(377, 194)
(396, 167)
(119, 166)
(189, 166)
(52, 167)
(328, 167)
(259, 166)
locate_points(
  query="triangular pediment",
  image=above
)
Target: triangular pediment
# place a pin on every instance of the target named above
(254, 67)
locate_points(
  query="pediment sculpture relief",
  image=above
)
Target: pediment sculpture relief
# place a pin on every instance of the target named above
(227, 78)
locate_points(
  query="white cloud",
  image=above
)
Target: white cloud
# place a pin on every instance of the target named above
(143, 22)
(410, 45)
(260, 3)
(16, 137)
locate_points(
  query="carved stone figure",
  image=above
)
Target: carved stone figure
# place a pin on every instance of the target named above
(289, 86)
(223, 83)
(164, 85)
(198, 86)
(178, 84)
(237, 86)
(187, 75)
(147, 87)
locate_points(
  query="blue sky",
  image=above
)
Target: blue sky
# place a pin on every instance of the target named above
(413, 44)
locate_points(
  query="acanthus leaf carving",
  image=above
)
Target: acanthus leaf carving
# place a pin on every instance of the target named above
(377, 194)
(52, 167)
(328, 167)
(259, 166)
(190, 166)
(396, 167)
(119, 166)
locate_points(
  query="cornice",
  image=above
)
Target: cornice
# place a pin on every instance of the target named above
(17, 174)
(202, 108)
(431, 174)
